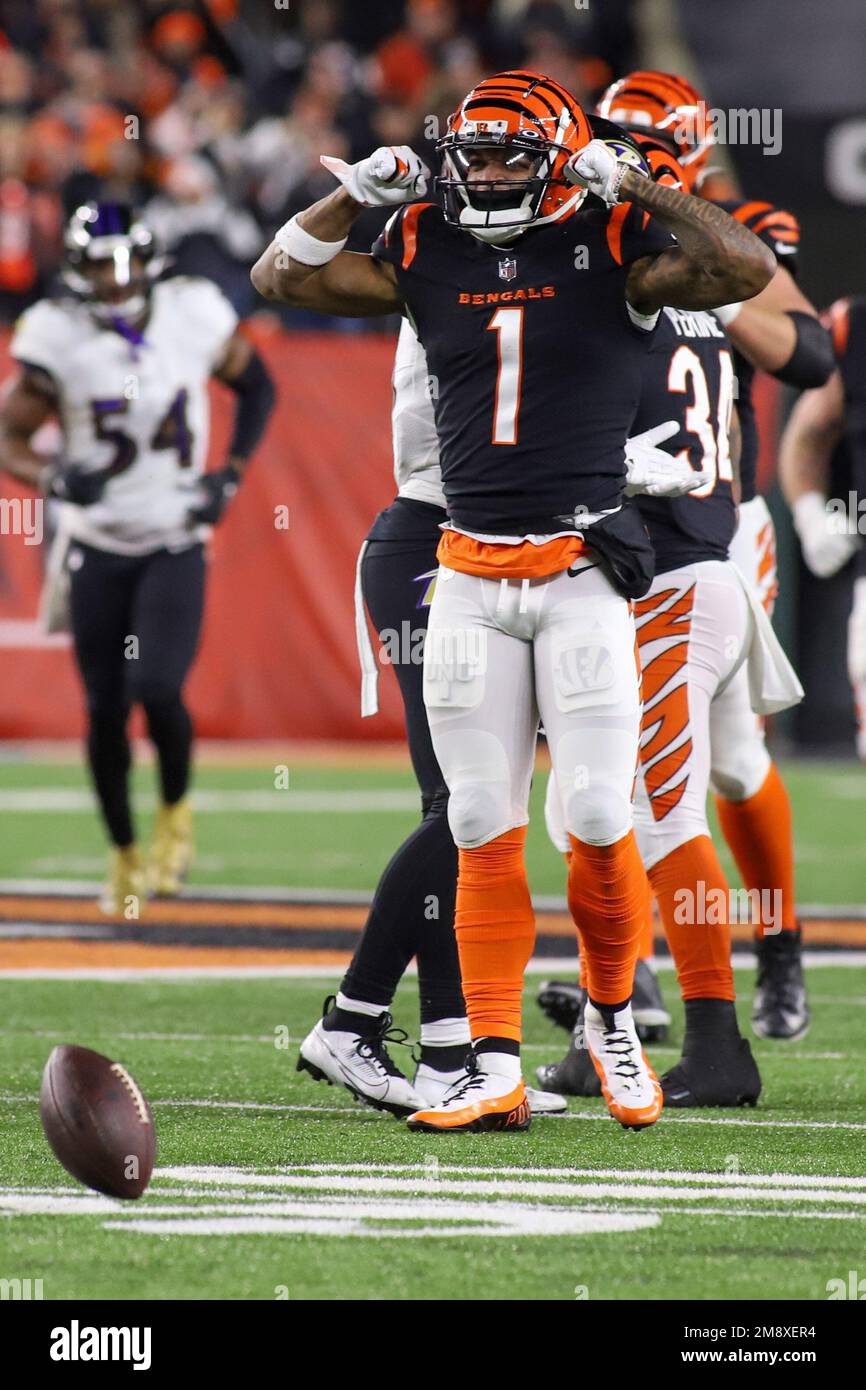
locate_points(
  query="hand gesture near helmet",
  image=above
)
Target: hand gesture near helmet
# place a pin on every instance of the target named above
(601, 167)
(391, 175)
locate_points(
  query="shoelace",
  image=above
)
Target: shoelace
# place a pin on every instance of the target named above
(474, 1079)
(621, 1045)
(374, 1046)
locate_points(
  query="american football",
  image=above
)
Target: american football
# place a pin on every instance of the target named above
(433, 649)
(97, 1121)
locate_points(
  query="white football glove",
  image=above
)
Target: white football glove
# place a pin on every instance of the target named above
(653, 471)
(390, 175)
(827, 542)
(597, 168)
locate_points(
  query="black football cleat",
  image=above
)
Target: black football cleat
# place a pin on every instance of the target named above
(651, 1018)
(561, 1001)
(780, 1008)
(717, 1068)
(574, 1075)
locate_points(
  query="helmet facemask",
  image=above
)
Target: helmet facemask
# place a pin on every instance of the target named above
(533, 127)
(125, 250)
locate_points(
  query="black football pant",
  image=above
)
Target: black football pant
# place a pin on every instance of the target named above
(412, 913)
(135, 624)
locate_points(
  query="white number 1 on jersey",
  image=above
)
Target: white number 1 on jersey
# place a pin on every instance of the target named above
(508, 324)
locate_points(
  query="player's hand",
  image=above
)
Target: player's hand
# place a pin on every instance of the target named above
(390, 175)
(74, 483)
(653, 471)
(826, 540)
(599, 169)
(216, 490)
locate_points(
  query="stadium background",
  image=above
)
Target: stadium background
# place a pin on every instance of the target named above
(212, 114)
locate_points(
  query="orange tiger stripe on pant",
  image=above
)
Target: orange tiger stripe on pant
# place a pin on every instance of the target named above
(664, 616)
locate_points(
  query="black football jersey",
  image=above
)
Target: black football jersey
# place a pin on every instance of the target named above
(848, 327)
(535, 360)
(689, 377)
(780, 231)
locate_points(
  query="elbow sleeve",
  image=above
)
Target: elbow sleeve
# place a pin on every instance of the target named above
(255, 391)
(812, 360)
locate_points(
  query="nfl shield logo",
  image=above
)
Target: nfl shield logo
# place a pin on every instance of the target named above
(507, 269)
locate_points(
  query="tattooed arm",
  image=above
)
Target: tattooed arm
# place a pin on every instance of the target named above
(716, 259)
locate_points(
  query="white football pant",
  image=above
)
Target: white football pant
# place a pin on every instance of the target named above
(739, 759)
(693, 630)
(498, 654)
(857, 660)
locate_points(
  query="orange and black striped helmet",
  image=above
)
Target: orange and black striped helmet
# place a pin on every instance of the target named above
(669, 106)
(535, 125)
(664, 166)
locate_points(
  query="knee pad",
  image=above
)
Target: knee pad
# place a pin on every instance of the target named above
(739, 772)
(479, 812)
(482, 803)
(600, 815)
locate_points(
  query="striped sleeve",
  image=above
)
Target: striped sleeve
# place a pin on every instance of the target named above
(777, 229)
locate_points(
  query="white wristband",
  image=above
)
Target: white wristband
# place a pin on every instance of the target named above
(726, 313)
(306, 249)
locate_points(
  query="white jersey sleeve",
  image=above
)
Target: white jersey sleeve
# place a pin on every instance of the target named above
(209, 319)
(413, 425)
(43, 337)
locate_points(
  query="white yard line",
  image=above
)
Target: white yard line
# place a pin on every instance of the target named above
(360, 1111)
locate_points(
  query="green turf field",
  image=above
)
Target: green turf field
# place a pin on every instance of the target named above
(337, 827)
(270, 1186)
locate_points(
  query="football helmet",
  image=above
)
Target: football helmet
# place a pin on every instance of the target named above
(668, 106)
(110, 261)
(664, 167)
(529, 119)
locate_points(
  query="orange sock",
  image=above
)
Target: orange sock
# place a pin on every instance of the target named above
(647, 948)
(759, 833)
(692, 894)
(495, 928)
(581, 954)
(606, 894)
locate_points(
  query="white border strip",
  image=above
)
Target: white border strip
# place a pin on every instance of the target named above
(550, 966)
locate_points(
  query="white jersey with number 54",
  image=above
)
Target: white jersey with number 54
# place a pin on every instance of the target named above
(139, 407)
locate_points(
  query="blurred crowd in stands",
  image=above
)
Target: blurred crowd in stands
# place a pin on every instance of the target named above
(210, 115)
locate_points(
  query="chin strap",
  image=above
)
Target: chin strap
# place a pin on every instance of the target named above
(501, 236)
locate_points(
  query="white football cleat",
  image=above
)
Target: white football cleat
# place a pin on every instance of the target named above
(545, 1102)
(433, 1086)
(628, 1082)
(479, 1101)
(361, 1062)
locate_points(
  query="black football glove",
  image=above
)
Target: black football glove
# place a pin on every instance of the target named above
(218, 489)
(83, 486)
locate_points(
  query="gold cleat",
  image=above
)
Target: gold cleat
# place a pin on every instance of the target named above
(125, 891)
(172, 850)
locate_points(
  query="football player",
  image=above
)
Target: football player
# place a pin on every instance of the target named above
(535, 326)
(695, 628)
(825, 437)
(412, 914)
(122, 358)
(780, 333)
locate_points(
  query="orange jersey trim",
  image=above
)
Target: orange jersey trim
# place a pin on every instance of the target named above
(410, 232)
(490, 560)
(840, 323)
(614, 230)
